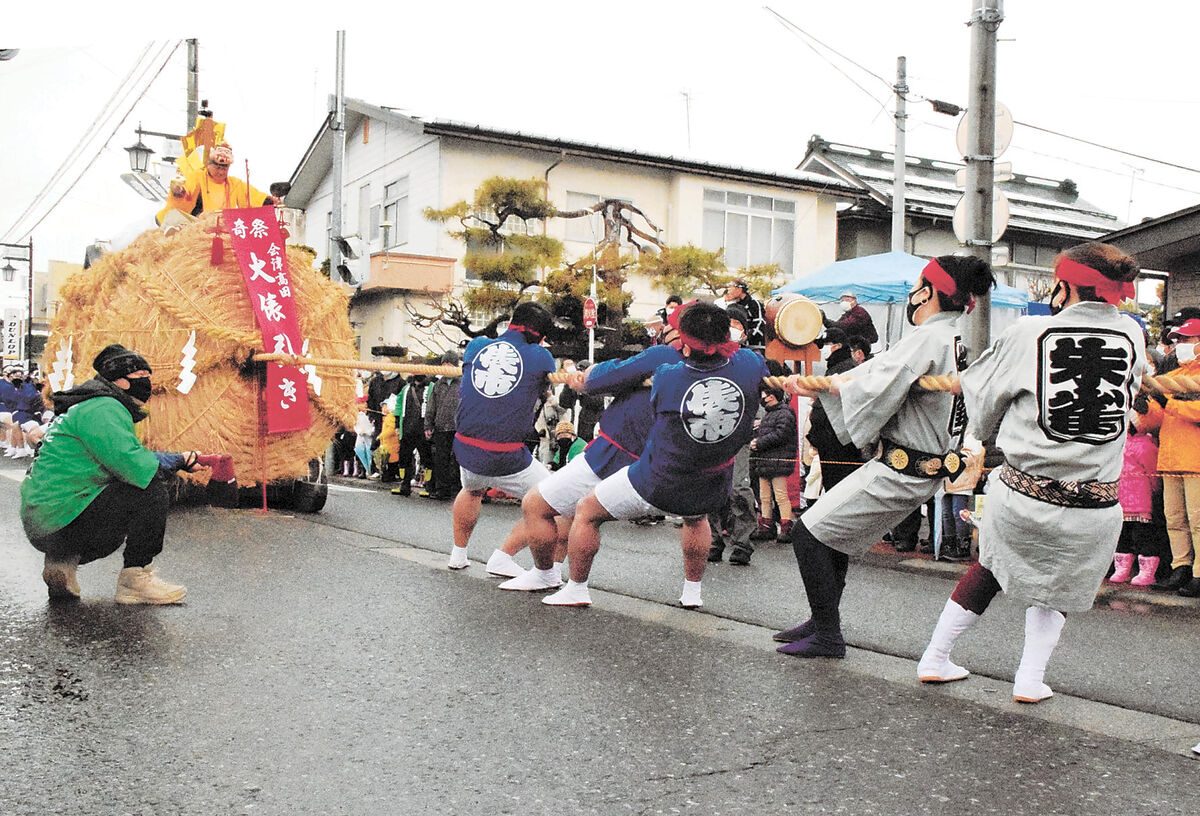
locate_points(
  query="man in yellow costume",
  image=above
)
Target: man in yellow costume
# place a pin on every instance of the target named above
(208, 188)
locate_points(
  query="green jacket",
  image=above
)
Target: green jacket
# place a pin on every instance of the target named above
(86, 448)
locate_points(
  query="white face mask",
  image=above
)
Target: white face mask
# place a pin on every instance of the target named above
(844, 305)
(735, 335)
(1185, 352)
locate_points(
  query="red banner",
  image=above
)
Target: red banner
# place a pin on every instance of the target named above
(259, 247)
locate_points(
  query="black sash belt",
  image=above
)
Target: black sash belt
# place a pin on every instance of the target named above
(913, 462)
(1091, 495)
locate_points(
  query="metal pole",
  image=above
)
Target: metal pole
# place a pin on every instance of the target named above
(339, 155)
(898, 194)
(592, 330)
(29, 324)
(193, 84)
(986, 16)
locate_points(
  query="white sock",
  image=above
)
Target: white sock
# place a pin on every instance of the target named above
(572, 583)
(691, 592)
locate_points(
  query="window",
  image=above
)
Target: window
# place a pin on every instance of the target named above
(588, 229)
(1024, 254)
(752, 229)
(395, 212)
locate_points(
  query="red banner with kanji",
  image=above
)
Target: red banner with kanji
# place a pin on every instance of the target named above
(260, 249)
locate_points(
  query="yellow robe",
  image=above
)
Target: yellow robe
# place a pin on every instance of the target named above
(233, 193)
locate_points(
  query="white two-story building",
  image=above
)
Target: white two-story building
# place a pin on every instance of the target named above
(395, 166)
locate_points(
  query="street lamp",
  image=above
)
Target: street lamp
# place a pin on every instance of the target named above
(139, 154)
(9, 271)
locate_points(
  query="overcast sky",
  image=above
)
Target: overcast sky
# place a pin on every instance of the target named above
(608, 72)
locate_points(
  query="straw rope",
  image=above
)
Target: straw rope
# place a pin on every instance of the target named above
(1167, 384)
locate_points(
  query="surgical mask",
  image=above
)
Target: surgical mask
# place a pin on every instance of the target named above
(1059, 287)
(844, 306)
(1185, 352)
(139, 388)
(735, 335)
(910, 308)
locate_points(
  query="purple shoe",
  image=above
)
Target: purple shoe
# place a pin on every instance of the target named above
(795, 633)
(815, 646)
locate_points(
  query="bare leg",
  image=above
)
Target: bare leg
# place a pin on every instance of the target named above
(584, 541)
(564, 531)
(537, 526)
(694, 537)
(466, 514)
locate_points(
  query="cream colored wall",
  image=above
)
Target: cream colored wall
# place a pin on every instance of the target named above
(674, 202)
(58, 272)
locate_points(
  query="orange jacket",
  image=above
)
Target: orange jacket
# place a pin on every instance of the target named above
(1179, 438)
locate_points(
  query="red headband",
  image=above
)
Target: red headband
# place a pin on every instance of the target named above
(725, 348)
(1110, 291)
(517, 327)
(940, 280)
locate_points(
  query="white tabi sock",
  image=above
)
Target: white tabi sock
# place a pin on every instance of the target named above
(935, 665)
(1042, 629)
(691, 594)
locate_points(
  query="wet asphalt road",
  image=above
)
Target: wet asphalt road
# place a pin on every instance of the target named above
(330, 664)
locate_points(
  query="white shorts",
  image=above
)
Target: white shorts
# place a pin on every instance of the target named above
(29, 424)
(617, 496)
(514, 484)
(6, 417)
(563, 488)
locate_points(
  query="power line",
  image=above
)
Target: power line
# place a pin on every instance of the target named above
(88, 134)
(789, 24)
(1077, 163)
(1106, 147)
(793, 29)
(99, 152)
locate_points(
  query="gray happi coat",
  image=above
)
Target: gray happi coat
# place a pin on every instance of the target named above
(880, 401)
(1059, 389)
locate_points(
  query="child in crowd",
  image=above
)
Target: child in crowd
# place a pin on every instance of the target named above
(1139, 481)
(365, 431)
(773, 459)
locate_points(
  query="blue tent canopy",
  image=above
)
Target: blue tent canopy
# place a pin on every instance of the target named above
(884, 278)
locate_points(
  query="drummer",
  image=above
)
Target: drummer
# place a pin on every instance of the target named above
(919, 431)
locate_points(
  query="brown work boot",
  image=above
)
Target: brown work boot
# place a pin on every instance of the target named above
(60, 579)
(140, 585)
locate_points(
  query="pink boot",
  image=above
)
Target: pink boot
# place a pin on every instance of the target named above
(1124, 562)
(1147, 566)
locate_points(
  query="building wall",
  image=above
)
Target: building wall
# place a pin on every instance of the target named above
(442, 171)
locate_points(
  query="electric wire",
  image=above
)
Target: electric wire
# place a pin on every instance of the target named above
(88, 134)
(113, 133)
(918, 98)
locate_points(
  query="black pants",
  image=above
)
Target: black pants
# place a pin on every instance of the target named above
(823, 570)
(121, 513)
(446, 479)
(415, 442)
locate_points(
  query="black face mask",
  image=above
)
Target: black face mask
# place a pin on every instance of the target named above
(1058, 287)
(910, 309)
(139, 388)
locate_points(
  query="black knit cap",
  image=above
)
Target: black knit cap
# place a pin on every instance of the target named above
(116, 361)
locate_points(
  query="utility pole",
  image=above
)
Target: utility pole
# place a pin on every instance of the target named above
(986, 16)
(193, 84)
(898, 165)
(29, 315)
(338, 127)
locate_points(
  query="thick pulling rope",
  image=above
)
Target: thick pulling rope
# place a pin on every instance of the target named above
(1166, 384)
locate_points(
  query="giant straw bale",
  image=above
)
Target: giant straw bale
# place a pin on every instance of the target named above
(153, 294)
